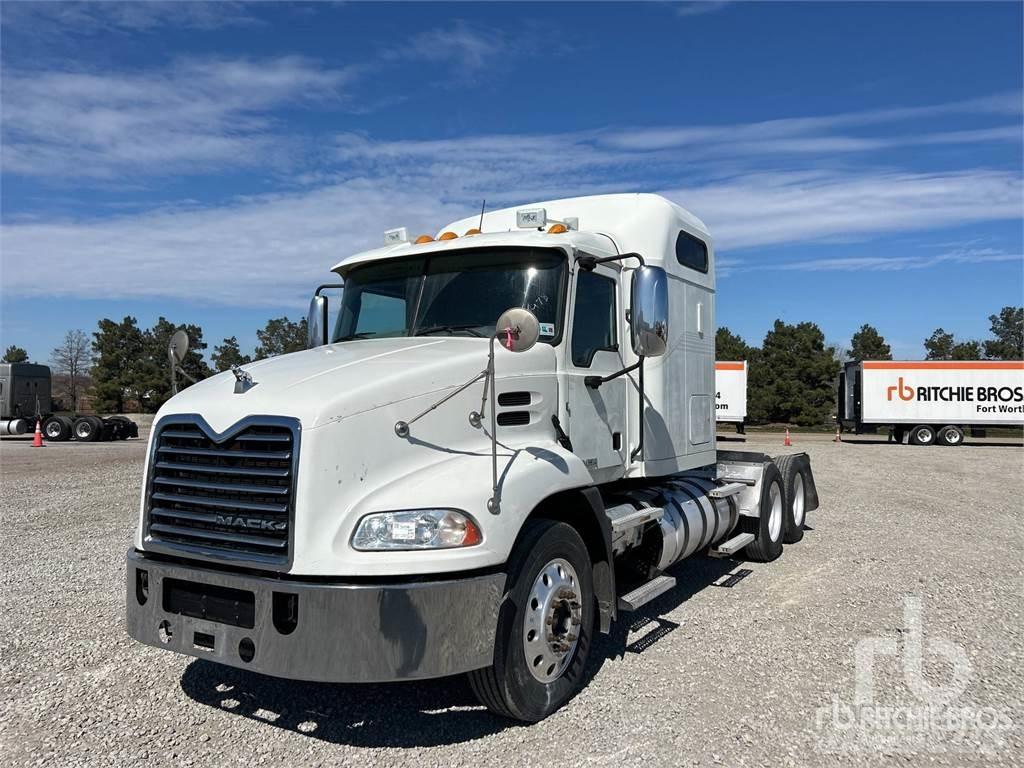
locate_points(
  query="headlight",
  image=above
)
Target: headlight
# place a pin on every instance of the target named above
(416, 529)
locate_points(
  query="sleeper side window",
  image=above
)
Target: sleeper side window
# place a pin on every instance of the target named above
(692, 252)
(593, 318)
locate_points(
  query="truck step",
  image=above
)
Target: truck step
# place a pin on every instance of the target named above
(729, 489)
(625, 516)
(646, 592)
(732, 546)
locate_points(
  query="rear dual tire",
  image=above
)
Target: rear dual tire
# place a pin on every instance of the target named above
(545, 625)
(57, 429)
(88, 429)
(769, 526)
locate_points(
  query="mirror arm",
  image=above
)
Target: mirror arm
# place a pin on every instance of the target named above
(588, 263)
(639, 451)
(324, 331)
(593, 382)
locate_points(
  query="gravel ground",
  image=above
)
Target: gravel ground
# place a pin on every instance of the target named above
(761, 673)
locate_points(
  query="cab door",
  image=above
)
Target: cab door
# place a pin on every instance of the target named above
(597, 426)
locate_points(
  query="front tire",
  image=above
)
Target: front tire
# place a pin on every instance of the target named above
(544, 628)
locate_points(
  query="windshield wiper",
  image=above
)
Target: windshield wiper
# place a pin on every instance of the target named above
(470, 327)
(354, 336)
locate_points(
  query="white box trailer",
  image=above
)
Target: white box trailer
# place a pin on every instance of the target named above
(731, 393)
(931, 400)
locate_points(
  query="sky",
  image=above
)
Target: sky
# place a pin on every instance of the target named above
(855, 163)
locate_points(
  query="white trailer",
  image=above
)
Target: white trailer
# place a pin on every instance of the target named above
(932, 400)
(731, 393)
(504, 444)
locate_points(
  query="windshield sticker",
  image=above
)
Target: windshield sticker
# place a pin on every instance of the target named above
(547, 329)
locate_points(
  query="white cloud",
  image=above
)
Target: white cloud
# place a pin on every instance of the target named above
(897, 263)
(196, 116)
(271, 250)
(49, 19)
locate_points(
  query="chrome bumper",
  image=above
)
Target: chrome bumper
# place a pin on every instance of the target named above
(300, 630)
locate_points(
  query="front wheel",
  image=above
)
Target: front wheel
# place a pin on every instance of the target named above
(544, 627)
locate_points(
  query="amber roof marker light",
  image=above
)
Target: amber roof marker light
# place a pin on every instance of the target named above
(448, 236)
(424, 239)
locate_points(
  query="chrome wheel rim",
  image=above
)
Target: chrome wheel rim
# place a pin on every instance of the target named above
(925, 436)
(52, 430)
(798, 501)
(775, 515)
(551, 626)
(83, 430)
(953, 436)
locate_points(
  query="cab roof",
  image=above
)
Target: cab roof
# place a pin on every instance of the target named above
(634, 222)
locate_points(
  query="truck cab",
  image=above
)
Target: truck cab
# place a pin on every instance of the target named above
(505, 439)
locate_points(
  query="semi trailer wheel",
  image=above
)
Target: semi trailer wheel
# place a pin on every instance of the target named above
(922, 435)
(951, 436)
(795, 479)
(87, 429)
(57, 429)
(768, 527)
(544, 627)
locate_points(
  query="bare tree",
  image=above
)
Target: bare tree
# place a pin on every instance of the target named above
(73, 358)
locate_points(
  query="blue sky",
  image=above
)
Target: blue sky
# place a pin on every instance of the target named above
(209, 162)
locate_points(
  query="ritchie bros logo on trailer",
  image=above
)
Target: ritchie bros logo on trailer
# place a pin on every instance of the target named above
(955, 394)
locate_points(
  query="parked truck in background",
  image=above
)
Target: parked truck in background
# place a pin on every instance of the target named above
(26, 396)
(503, 445)
(731, 393)
(931, 401)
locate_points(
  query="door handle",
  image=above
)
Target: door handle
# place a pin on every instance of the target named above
(700, 318)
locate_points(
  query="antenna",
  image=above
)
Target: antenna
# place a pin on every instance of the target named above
(483, 204)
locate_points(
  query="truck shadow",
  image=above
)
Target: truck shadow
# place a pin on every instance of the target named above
(1003, 442)
(418, 713)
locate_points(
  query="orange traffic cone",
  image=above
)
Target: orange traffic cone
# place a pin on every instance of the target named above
(787, 442)
(839, 437)
(37, 441)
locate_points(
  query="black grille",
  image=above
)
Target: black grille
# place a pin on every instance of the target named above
(514, 398)
(514, 418)
(231, 499)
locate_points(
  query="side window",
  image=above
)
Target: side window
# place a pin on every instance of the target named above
(692, 252)
(381, 314)
(593, 319)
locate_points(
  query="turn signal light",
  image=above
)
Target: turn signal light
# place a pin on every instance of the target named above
(448, 236)
(424, 239)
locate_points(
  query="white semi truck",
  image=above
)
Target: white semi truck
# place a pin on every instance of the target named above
(731, 393)
(931, 401)
(505, 442)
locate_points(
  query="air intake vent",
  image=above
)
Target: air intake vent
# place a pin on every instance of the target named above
(229, 500)
(514, 419)
(514, 398)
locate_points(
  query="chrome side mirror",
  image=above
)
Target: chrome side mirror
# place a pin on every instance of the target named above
(517, 330)
(316, 322)
(649, 312)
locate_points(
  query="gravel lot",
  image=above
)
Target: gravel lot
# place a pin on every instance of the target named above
(761, 673)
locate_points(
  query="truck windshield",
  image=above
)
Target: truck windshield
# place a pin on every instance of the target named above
(460, 293)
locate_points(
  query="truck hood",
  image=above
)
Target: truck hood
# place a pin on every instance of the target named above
(335, 381)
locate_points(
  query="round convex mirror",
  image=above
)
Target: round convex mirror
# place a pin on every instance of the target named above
(517, 329)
